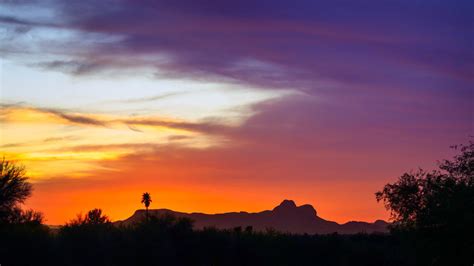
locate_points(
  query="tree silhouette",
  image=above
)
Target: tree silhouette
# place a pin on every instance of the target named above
(430, 200)
(14, 187)
(436, 207)
(92, 217)
(14, 190)
(95, 217)
(146, 200)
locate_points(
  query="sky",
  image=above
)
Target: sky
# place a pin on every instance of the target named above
(215, 106)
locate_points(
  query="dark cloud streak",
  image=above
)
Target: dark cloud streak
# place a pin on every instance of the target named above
(151, 98)
(207, 127)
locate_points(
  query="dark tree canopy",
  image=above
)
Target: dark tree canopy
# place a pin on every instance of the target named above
(14, 190)
(434, 211)
(14, 187)
(92, 217)
(434, 200)
(462, 167)
(95, 216)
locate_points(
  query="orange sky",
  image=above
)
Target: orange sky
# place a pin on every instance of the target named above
(187, 186)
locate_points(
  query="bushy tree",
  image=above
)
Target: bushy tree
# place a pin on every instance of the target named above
(14, 187)
(437, 206)
(14, 190)
(92, 217)
(434, 200)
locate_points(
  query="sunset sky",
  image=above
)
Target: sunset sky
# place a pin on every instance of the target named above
(215, 106)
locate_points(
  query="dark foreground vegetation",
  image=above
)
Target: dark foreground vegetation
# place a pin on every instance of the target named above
(167, 241)
(432, 215)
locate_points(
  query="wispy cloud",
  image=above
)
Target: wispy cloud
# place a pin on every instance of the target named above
(23, 22)
(49, 140)
(135, 129)
(152, 98)
(73, 118)
(15, 145)
(107, 120)
(63, 138)
(74, 67)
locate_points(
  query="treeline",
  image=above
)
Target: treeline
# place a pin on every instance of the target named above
(170, 241)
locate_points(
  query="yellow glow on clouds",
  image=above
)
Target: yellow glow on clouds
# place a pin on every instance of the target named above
(50, 145)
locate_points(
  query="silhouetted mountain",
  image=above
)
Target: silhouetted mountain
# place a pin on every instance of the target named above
(286, 217)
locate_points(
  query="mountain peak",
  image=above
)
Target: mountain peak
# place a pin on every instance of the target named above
(286, 204)
(288, 207)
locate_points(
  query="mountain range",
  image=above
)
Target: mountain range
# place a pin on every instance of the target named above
(286, 217)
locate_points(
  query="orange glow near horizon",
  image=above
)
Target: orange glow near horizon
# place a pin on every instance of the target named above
(186, 186)
(80, 161)
(121, 201)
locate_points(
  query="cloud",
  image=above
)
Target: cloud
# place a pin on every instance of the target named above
(70, 67)
(134, 147)
(178, 137)
(74, 118)
(22, 22)
(64, 138)
(135, 129)
(151, 98)
(14, 145)
(84, 119)
(203, 127)
(324, 47)
(49, 140)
